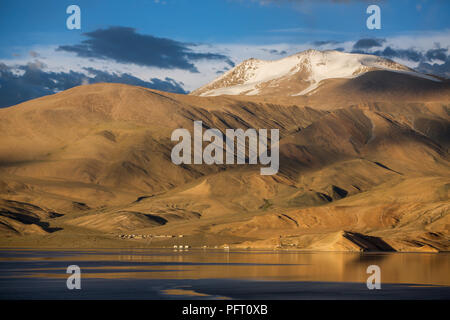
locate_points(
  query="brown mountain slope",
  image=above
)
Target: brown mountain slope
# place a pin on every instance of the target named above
(98, 158)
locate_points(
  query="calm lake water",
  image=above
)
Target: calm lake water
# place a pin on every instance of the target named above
(218, 274)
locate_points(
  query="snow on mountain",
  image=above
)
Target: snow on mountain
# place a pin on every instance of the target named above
(298, 74)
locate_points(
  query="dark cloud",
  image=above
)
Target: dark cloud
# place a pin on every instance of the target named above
(431, 67)
(274, 51)
(442, 70)
(427, 60)
(368, 43)
(322, 43)
(168, 84)
(437, 54)
(407, 54)
(125, 45)
(231, 63)
(33, 82)
(389, 52)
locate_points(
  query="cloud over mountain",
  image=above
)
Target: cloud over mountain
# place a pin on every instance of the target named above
(110, 55)
(368, 43)
(435, 68)
(125, 45)
(432, 60)
(25, 82)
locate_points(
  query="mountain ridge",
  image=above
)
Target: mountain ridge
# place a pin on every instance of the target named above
(91, 166)
(301, 71)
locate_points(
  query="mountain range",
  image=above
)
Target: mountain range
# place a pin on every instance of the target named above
(364, 162)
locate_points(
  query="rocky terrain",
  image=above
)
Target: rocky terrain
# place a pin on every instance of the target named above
(364, 162)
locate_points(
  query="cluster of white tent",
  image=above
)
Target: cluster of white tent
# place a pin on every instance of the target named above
(181, 247)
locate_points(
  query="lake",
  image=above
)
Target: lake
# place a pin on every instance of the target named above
(219, 274)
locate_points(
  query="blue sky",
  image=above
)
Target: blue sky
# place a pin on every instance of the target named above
(25, 23)
(203, 38)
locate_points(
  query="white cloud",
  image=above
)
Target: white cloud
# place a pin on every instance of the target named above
(61, 61)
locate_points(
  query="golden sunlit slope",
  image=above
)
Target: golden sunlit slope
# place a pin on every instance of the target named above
(93, 162)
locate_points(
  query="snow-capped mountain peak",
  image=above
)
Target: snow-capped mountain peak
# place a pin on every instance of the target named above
(298, 74)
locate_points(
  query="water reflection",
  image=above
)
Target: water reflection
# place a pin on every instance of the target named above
(411, 268)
